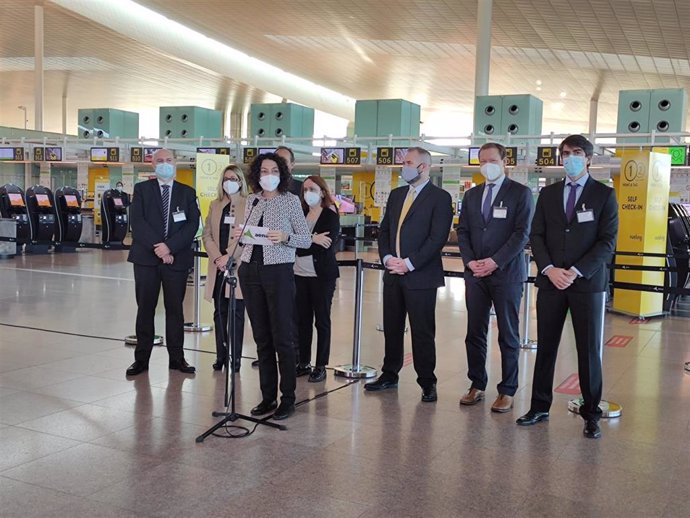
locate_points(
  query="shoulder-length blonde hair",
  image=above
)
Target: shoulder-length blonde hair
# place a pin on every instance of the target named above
(243, 181)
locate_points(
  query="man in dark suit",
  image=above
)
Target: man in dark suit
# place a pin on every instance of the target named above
(411, 236)
(164, 218)
(286, 153)
(492, 234)
(573, 238)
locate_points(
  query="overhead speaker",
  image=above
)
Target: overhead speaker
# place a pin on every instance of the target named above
(86, 119)
(513, 109)
(261, 116)
(489, 129)
(168, 118)
(490, 110)
(635, 106)
(662, 126)
(664, 105)
(279, 116)
(184, 117)
(513, 128)
(279, 132)
(634, 127)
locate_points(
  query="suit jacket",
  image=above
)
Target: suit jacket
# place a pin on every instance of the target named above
(325, 263)
(423, 234)
(587, 246)
(211, 239)
(503, 240)
(146, 215)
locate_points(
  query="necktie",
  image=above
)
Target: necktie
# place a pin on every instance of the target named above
(486, 207)
(570, 203)
(165, 196)
(403, 213)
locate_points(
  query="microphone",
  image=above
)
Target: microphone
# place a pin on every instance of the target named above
(231, 258)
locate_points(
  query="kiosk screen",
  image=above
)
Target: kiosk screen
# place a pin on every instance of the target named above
(117, 202)
(16, 199)
(42, 200)
(71, 201)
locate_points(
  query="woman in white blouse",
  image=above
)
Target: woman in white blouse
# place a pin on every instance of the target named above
(267, 279)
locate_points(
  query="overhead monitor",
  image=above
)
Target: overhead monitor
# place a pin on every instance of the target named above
(332, 155)
(473, 158)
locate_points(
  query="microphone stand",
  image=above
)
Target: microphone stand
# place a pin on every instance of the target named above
(231, 415)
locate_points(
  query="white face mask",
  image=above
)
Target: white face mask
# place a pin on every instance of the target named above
(491, 171)
(312, 198)
(231, 187)
(270, 182)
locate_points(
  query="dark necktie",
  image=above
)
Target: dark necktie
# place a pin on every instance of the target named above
(486, 207)
(165, 196)
(570, 203)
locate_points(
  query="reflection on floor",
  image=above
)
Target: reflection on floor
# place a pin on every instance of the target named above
(78, 439)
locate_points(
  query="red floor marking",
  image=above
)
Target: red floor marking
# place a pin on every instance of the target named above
(407, 360)
(619, 341)
(637, 321)
(570, 386)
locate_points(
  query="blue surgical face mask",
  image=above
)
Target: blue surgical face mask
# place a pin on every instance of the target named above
(312, 198)
(269, 182)
(165, 171)
(410, 173)
(574, 165)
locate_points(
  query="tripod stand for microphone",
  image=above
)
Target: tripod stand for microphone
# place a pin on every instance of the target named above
(231, 415)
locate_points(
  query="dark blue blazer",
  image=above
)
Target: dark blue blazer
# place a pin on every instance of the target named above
(146, 219)
(587, 246)
(503, 240)
(423, 234)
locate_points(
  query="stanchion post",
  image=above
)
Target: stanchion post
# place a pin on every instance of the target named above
(608, 408)
(525, 342)
(195, 326)
(355, 370)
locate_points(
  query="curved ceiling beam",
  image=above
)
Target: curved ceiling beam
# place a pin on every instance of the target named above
(178, 41)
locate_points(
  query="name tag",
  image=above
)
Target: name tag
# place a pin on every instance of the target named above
(179, 216)
(229, 220)
(585, 216)
(500, 212)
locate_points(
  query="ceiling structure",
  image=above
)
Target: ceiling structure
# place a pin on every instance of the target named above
(562, 51)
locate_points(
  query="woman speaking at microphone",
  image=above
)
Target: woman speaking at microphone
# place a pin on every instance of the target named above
(226, 213)
(267, 278)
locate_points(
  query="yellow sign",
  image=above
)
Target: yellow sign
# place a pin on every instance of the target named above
(643, 211)
(209, 167)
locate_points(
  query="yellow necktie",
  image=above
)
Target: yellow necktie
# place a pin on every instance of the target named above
(403, 214)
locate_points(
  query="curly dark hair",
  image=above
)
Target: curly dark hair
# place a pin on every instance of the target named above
(254, 174)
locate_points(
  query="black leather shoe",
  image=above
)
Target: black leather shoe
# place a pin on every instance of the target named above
(592, 430)
(532, 417)
(284, 411)
(218, 366)
(137, 368)
(255, 363)
(381, 384)
(182, 366)
(317, 374)
(265, 407)
(429, 394)
(303, 370)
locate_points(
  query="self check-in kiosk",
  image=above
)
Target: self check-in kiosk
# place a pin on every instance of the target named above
(13, 206)
(114, 221)
(40, 205)
(69, 222)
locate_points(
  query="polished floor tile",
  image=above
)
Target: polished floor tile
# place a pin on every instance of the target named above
(77, 438)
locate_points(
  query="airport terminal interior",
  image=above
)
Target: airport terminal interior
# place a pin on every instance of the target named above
(89, 90)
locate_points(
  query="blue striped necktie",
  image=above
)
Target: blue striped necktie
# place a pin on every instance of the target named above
(165, 195)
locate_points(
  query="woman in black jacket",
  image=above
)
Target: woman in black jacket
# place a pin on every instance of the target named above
(316, 270)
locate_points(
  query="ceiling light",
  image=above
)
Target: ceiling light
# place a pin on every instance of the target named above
(538, 82)
(563, 93)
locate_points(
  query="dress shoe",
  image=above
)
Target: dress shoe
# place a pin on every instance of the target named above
(381, 384)
(284, 411)
(182, 366)
(502, 404)
(592, 430)
(473, 396)
(265, 407)
(303, 369)
(218, 366)
(255, 363)
(317, 374)
(532, 417)
(429, 394)
(137, 368)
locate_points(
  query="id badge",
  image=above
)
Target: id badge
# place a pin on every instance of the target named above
(585, 216)
(500, 212)
(179, 216)
(229, 220)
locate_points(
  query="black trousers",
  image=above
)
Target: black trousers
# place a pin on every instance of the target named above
(269, 296)
(147, 286)
(505, 297)
(586, 313)
(314, 299)
(420, 306)
(221, 308)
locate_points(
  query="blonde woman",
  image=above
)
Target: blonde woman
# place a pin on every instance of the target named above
(225, 214)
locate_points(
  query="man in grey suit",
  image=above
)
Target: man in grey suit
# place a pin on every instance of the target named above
(492, 233)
